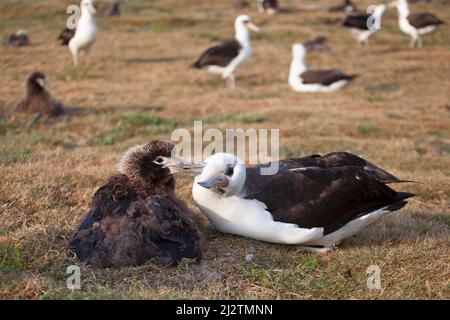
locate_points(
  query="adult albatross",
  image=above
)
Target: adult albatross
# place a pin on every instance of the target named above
(415, 24)
(363, 26)
(301, 79)
(314, 201)
(86, 31)
(225, 58)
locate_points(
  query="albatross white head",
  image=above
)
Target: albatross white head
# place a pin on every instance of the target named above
(242, 25)
(223, 174)
(87, 6)
(402, 7)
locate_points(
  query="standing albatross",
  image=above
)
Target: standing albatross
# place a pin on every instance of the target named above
(415, 24)
(86, 31)
(315, 201)
(135, 216)
(225, 58)
(303, 80)
(363, 26)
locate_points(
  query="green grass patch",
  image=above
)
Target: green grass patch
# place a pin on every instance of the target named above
(11, 257)
(16, 155)
(246, 118)
(443, 218)
(366, 128)
(376, 98)
(288, 152)
(126, 126)
(205, 35)
(308, 264)
(6, 127)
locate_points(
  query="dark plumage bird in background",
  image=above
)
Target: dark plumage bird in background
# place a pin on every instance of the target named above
(18, 39)
(363, 26)
(135, 216)
(347, 6)
(241, 4)
(303, 79)
(38, 99)
(110, 11)
(65, 36)
(268, 6)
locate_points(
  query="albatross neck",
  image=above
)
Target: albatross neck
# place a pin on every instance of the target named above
(403, 9)
(243, 36)
(298, 65)
(86, 15)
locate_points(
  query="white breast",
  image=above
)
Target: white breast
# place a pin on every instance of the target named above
(406, 27)
(249, 218)
(297, 85)
(85, 34)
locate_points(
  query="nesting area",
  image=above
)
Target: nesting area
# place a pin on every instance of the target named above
(136, 85)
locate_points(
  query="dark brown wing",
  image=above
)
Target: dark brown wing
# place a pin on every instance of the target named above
(66, 35)
(220, 55)
(422, 20)
(325, 77)
(326, 192)
(356, 21)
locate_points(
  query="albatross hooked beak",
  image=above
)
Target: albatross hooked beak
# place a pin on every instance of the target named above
(91, 8)
(218, 183)
(176, 165)
(253, 27)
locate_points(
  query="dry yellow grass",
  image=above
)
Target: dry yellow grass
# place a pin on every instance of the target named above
(139, 87)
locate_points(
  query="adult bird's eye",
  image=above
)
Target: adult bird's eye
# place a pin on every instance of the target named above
(230, 171)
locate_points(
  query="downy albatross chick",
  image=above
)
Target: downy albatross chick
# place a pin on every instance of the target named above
(415, 24)
(18, 39)
(225, 58)
(314, 201)
(360, 24)
(303, 80)
(38, 99)
(136, 216)
(86, 31)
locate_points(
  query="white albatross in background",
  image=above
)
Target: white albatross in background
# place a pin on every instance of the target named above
(86, 31)
(301, 79)
(225, 58)
(314, 201)
(415, 24)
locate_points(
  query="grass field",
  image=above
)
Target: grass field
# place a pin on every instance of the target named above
(139, 87)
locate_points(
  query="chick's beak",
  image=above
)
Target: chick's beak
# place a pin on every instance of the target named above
(176, 165)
